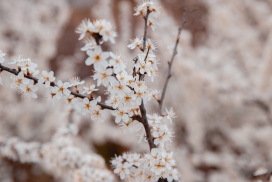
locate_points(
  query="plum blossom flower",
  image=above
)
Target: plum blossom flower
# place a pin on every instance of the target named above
(97, 57)
(139, 96)
(122, 169)
(89, 89)
(17, 81)
(97, 114)
(51, 94)
(152, 23)
(90, 44)
(2, 54)
(154, 94)
(140, 10)
(85, 26)
(118, 88)
(171, 175)
(29, 89)
(62, 88)
(150, 44)
(162, 135)
(100, 25)
(108, 32)
(120, 115)
(86, 105)
(27, 65)
(170, 114)
(16, 59)
(113, 101)
(103, 76)
(75, 82)
(135, 42)
(117, 63)
(47, 78)
(158, 167)
(168, 159)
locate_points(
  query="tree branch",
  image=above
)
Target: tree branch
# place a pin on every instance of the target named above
(144, 120)
(16, 72)
(172, 59)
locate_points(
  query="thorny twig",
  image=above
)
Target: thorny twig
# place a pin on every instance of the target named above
(184, 19)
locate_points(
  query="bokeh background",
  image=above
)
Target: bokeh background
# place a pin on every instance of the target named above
(221, 88)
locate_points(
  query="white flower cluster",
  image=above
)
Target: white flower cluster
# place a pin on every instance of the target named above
(26, 68)
(58, 155)
(96, 29)
(160, 163)
(147, 7)
(127, 94)
(27, 85)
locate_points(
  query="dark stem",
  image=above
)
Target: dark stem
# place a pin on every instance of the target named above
(144, 121)
(172, 60)
(16, 72)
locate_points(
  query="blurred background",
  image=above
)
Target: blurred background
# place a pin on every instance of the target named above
(221, 86)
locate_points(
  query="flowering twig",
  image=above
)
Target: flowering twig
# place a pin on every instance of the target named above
(172, 59)
(16, 72)
(144, 120)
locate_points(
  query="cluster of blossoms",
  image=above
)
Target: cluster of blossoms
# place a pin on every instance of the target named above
(97, 29)
(57, 155)
(127, 95)
(160, 163)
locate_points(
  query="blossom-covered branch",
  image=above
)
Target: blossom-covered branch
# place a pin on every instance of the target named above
(127, 94)
(36, 80)
(58, 154)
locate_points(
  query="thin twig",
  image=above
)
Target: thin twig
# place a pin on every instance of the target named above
(145, 29)
(172, 59)
(16, 72)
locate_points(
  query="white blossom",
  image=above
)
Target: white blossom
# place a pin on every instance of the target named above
(103, 76)
(75, 82)
(17, 81)
(89, 89)
(2, 54)
(85, 26)
(135, 42)
(62, 88)
(29, 89)
(47, 78)
(97, 57)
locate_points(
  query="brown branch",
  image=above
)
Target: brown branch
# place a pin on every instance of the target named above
(16, 72)
(144, 120)
(172, 59)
